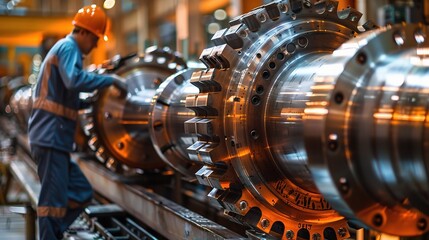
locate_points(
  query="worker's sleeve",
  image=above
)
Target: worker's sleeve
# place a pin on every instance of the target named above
(74, 77)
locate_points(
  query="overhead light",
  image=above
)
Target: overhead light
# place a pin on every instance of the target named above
(108, 4)
(220, 14)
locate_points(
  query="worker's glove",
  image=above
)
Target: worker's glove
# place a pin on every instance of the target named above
(120, 84)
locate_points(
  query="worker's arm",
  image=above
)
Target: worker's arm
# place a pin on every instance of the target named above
(72, 74)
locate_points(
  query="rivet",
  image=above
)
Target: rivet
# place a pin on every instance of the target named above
(290, 234)
(260, 89)
(256, 100)
(316, 236)
(243, 205)
(399, 38)
(262, 18)
(344, 185)
(377, 220)
(332, 145)
(361, 58)
(422, 224)
(339, 97)
(342, 232)
(307, 4)
(254, 134)
(283, 7)
(303, 42)
(107, 115)
(265, 223)
(290, 48)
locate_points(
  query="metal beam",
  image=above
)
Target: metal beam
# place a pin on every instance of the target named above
(164, 216)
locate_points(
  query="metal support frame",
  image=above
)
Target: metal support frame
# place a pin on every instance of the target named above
(164, 216)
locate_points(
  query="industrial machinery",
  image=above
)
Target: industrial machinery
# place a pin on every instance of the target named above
(303, 124)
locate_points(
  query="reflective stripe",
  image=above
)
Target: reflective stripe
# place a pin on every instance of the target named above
(50, 106)
(55, 108)
(73, 204)
(52, 60)
(51, 212)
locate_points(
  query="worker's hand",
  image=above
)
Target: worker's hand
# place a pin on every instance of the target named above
(120, 84)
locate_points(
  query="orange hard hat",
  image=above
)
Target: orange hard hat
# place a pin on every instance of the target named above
(93, 19)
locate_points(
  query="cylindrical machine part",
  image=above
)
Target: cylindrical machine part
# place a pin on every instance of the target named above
(365, 129)
(21, 103)
(252, 98)
(167, 122)
(285, 117)
(294, 126)
(117, 127)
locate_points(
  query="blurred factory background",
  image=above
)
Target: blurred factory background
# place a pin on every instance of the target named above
(29, 27)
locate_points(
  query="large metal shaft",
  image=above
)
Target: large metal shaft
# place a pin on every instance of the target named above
(301, 121)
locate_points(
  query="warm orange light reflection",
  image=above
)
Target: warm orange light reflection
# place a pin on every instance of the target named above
(382, 115)
(316, 111)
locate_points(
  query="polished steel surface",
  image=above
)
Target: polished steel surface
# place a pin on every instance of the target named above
(21, 103)
(301, 122)
(118, 127)
(253, 97)
(168, 114)
(365, 129)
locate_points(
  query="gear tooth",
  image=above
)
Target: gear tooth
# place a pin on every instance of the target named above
(222, 55)
(88, 128)
(193, 151)
(215, 196)
(204, 102)
(191, 125)
(235, 21)
(218, 38)
(370, 25)
(205, 58)
(344, 13)
(332, 6)
(208, 153)
(112, 164)
(233, 36)
(191, 103)
(93, 143)
(204, 81)
(210, 176)
(100, 155)
(86, 112)
(273, 11)
(195, 80)
(251, 20)
(208, 80)
(296, 5)
(230, 200)
(354, 15)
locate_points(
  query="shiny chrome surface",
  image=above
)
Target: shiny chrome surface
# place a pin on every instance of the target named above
(146, 127)
(251, 109)
(166, 122)
(20, 104)
(365, 129)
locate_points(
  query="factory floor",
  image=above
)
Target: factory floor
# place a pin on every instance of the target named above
(12, 225)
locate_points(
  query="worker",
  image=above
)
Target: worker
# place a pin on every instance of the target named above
(65, 191)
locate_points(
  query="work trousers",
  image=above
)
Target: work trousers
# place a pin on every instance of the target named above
(64, 192)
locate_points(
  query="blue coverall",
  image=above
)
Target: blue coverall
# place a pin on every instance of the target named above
(64, 189)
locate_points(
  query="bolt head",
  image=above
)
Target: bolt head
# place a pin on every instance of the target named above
(290, 234)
